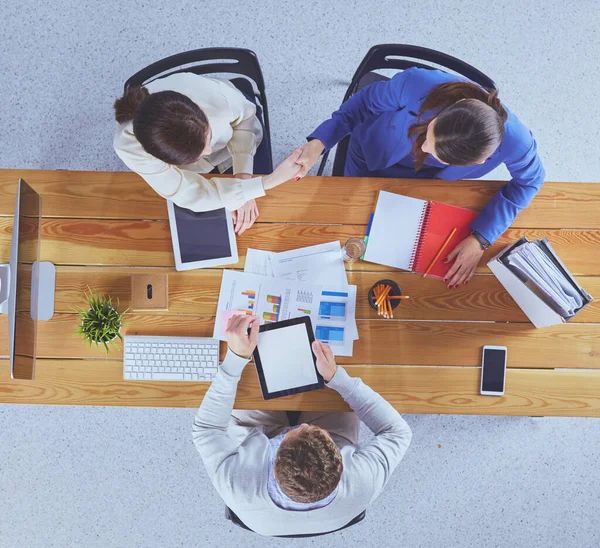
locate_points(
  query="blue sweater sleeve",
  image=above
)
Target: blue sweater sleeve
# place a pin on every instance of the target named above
(372, 100)
(527, 172)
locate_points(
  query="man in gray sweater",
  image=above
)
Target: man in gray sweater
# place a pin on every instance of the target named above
(311, 479)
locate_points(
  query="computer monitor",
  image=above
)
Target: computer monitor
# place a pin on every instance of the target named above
(30, 283)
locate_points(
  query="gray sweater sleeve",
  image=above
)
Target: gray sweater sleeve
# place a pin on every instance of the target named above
(381, 456)
(217, 449)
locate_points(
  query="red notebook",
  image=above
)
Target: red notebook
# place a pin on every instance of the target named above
(407, 233)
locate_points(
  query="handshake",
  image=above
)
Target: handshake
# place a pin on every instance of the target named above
(296, 165)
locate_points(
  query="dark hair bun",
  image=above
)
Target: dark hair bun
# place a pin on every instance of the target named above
(496, 104)
(126, 106)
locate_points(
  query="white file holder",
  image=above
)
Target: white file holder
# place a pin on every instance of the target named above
(535, 308)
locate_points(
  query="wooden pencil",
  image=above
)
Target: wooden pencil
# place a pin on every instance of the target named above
(376, 294)
(395, 297)
(439, 252)
(383, 295)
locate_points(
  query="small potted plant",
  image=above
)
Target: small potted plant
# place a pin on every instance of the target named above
(101, 322)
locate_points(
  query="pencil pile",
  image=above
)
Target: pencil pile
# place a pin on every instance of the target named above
(383, 300)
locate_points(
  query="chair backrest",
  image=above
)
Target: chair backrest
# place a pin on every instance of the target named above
(232, 516)
(214, 61)
(203, 61)
(400, 57)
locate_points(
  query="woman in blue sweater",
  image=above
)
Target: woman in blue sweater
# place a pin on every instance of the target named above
(431, 124)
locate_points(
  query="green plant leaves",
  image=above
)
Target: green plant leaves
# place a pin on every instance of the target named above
(101, 322)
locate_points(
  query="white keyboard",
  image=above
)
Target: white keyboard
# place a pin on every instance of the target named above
(152, 358)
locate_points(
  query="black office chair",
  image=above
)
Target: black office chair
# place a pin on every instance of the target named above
(218, 61)
(393, 56)
(231, 516)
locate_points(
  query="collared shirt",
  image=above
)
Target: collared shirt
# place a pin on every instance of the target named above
(275, 492)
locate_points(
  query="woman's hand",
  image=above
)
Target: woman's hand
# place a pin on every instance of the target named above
(310, 154)
(238, 339)
(325, 360)
(286, 170)
(245, 216)
(466, 256)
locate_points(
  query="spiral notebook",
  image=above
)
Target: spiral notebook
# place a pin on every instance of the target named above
(407, 233)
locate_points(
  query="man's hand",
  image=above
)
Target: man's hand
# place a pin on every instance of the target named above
(242, 176)
(466, 257)
(238, 339)
(309, 156)
(325, 360)
(245, 216)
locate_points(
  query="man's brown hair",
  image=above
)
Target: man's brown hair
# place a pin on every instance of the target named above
(309, 467)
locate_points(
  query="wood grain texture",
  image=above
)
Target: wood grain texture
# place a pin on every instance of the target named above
(381, 341)
(341, 200)
(196, 292)
(98, 194)
(408, 389)
(425, 361)
(148, 243)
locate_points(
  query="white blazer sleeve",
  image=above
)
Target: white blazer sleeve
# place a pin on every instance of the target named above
(185, 188)
(247, 131)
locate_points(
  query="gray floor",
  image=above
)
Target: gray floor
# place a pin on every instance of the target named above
(130, 477)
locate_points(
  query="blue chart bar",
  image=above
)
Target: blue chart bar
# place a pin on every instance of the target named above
(334, 294)
(332, 310)
(330, 335)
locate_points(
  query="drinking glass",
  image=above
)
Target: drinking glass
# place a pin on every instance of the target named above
(353, 249)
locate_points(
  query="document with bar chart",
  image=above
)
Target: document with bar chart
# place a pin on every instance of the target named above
(271, 299)
(332, 309)
(336, 319)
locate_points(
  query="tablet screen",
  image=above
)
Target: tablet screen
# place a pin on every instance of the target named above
(286, 358)
(202, 235)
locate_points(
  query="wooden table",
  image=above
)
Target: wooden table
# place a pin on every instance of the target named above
(99, 228)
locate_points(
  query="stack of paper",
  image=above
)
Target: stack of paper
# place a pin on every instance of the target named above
(319, 264)
(310, 281)
(537, 269)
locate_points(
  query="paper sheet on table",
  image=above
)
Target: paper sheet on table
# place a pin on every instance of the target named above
(337, 301)
(319, 264)
(259, 262)
(331, 310)
(336, 319)
(337, 308)
(270, 299)
(334, 337)
(537, 268)
(543, 272)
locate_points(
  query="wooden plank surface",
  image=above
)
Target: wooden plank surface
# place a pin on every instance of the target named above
(381, 341)
(148, 243)
(341, 200)
(196, 292)
(408, 389)
(424, 361)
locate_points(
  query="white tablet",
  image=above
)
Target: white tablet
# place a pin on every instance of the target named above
(201, 239)
(284, 359)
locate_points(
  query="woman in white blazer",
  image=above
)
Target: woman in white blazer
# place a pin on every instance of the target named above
(177, 128)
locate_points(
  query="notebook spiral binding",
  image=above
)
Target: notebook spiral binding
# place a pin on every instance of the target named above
(424, 224)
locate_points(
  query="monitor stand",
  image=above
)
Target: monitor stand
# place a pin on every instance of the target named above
(4, 287)
(42, 292)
